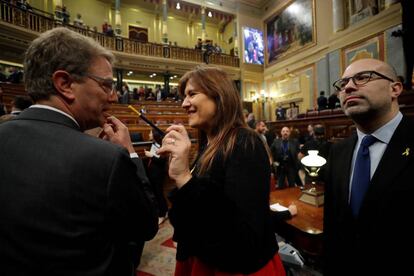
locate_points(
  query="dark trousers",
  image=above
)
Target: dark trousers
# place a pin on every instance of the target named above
(284, 172)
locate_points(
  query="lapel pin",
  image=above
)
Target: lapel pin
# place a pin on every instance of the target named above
(406, 152)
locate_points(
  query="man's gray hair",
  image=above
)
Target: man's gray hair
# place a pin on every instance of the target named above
(59, 49)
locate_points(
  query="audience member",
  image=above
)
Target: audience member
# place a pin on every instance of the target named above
(209, 49)
(199, 45)
(19, 104)
(251, 120)
(333, 101)
(78, 22)
(23, 5)
(322, 101)
(105, 27)
(141, 93)
(308, 136)
(135, 94)
(87, 204)
(65, 16)
(125, 94)
(280, 113)
(285, 151)
(16, 75)
(217, 49)
(368, 175)
(150, 96)
(110, 31)
(261, 129)
(234, 235)
(292, 111)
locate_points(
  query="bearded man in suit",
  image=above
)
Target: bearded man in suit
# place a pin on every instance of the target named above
(71, 203)
(367, 230)
(284, 152)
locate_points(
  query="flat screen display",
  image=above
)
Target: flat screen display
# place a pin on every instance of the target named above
(253, 46)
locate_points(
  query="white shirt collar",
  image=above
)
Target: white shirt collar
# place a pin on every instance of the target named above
(54, 109)
(385, 132)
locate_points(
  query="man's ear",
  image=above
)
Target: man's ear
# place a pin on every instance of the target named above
(63, 84)
(396, 89)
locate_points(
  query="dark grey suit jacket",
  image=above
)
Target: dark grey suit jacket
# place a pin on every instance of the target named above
(377, 239)
(70, 204)
(277, 152)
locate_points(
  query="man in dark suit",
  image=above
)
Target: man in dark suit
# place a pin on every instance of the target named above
(370, 236)
(71, 203)
(285, 152)
(322, 101)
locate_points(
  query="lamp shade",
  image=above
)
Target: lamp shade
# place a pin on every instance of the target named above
(313, 159)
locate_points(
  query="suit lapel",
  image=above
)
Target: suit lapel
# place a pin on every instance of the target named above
(394, 160)
(344, 162)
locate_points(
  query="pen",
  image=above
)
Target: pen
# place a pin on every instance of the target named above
(162, 133)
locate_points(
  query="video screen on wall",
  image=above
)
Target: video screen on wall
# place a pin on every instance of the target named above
(253, 46)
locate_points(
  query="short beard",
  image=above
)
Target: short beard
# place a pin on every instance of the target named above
(365, 117)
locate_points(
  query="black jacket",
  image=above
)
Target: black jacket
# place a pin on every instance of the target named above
(70, 204)
(223, 216)
(377, 242)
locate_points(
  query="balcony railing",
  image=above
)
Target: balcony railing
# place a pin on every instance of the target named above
(40, 21)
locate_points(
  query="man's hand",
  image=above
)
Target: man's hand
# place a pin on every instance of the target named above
(116, 132)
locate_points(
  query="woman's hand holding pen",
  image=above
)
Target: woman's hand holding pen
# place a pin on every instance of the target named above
(116, 132)
(178, 145)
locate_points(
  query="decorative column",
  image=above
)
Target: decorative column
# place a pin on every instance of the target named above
(338, 15)
(236, 40)
(190, 34)
(118, 30)
(164, 21)
(157, 28)
(203, 24)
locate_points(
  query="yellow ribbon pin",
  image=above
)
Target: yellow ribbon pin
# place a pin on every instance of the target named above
(406, 152)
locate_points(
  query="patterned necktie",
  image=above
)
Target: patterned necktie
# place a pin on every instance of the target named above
(362, 174)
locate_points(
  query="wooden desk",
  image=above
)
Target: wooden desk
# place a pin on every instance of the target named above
(305, 229)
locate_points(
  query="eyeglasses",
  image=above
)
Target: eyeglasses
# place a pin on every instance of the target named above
(360, 78)
(108, 85)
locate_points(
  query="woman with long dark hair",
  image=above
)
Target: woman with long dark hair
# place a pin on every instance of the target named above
(220, 209)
